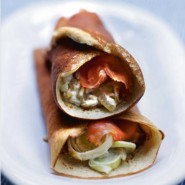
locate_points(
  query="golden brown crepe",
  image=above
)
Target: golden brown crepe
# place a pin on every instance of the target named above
(60, 127)
(77, 41)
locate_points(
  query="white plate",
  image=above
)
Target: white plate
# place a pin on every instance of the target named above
(25, 157)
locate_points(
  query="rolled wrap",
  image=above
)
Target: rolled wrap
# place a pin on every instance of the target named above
(76, 41)
(60, 127)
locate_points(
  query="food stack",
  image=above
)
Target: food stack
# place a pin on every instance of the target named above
(89, 87)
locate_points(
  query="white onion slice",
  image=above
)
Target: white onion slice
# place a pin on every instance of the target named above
(91, 154)
(130, 147)
(100, 168)
(111, 159)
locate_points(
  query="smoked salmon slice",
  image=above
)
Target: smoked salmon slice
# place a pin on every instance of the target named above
(100, 68)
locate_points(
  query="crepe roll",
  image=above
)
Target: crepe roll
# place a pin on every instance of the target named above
(92, 76)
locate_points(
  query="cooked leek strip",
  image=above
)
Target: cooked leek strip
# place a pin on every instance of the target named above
(123, 153)
(91, 154)
(111, 159)
(129, 147)
(100, 168)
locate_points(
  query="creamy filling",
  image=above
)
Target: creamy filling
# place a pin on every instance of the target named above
(107, 95)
